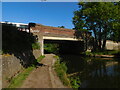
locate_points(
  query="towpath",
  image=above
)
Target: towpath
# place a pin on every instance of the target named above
(44, 76)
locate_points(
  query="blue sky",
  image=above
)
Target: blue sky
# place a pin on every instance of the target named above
(46, 13)
(0, 11)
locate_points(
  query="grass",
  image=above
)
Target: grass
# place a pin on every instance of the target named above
(61, 70)
(107, 52)
(17, 81)
(75, 81)
(40, 58)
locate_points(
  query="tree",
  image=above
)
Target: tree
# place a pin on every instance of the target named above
(98, 17)
(115, 36)
(61, 26)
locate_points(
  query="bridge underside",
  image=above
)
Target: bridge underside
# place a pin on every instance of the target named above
(67, 46)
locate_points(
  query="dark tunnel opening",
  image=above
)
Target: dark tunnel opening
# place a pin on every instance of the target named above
(63, 47)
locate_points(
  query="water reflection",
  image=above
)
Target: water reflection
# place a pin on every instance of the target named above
(94, 72)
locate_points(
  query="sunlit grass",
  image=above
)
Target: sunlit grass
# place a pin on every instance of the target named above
(17, 81)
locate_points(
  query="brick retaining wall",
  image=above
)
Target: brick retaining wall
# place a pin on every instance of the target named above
(11, 65)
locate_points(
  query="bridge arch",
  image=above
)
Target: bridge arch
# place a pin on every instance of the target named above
(53, 34)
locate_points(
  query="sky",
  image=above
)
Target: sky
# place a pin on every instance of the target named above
(40, 0)
(46, 13)
(0, 11)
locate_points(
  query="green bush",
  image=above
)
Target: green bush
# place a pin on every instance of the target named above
(36, 45)
(75, 82)
(51, 48)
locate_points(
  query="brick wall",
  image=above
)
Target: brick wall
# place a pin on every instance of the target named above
(11, 65)
(53, 30)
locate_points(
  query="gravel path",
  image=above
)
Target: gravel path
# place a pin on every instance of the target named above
(44, 76)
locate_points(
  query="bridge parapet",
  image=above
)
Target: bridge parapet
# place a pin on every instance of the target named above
(52, 31)
(58, 32)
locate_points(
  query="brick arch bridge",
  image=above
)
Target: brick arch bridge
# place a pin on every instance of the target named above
(54, 34)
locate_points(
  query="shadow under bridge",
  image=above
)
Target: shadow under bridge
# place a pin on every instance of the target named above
(63, 46)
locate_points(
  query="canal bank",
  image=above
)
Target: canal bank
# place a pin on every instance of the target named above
(91, 72)
(76, 72)
(103, 54)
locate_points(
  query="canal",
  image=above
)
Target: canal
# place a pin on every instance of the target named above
(93, 72)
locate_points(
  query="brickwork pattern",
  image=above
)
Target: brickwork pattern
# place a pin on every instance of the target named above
(53, 31)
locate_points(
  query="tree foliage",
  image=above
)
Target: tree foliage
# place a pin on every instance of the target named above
(102, 18)
(61, 26)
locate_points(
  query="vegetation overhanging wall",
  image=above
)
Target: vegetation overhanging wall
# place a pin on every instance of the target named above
(17, 51)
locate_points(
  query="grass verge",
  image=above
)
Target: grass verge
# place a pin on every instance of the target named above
(17, 81)
(40, 58)
(107, 52)
(61, 70)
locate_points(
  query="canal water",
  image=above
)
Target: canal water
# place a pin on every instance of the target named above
(93, 72)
